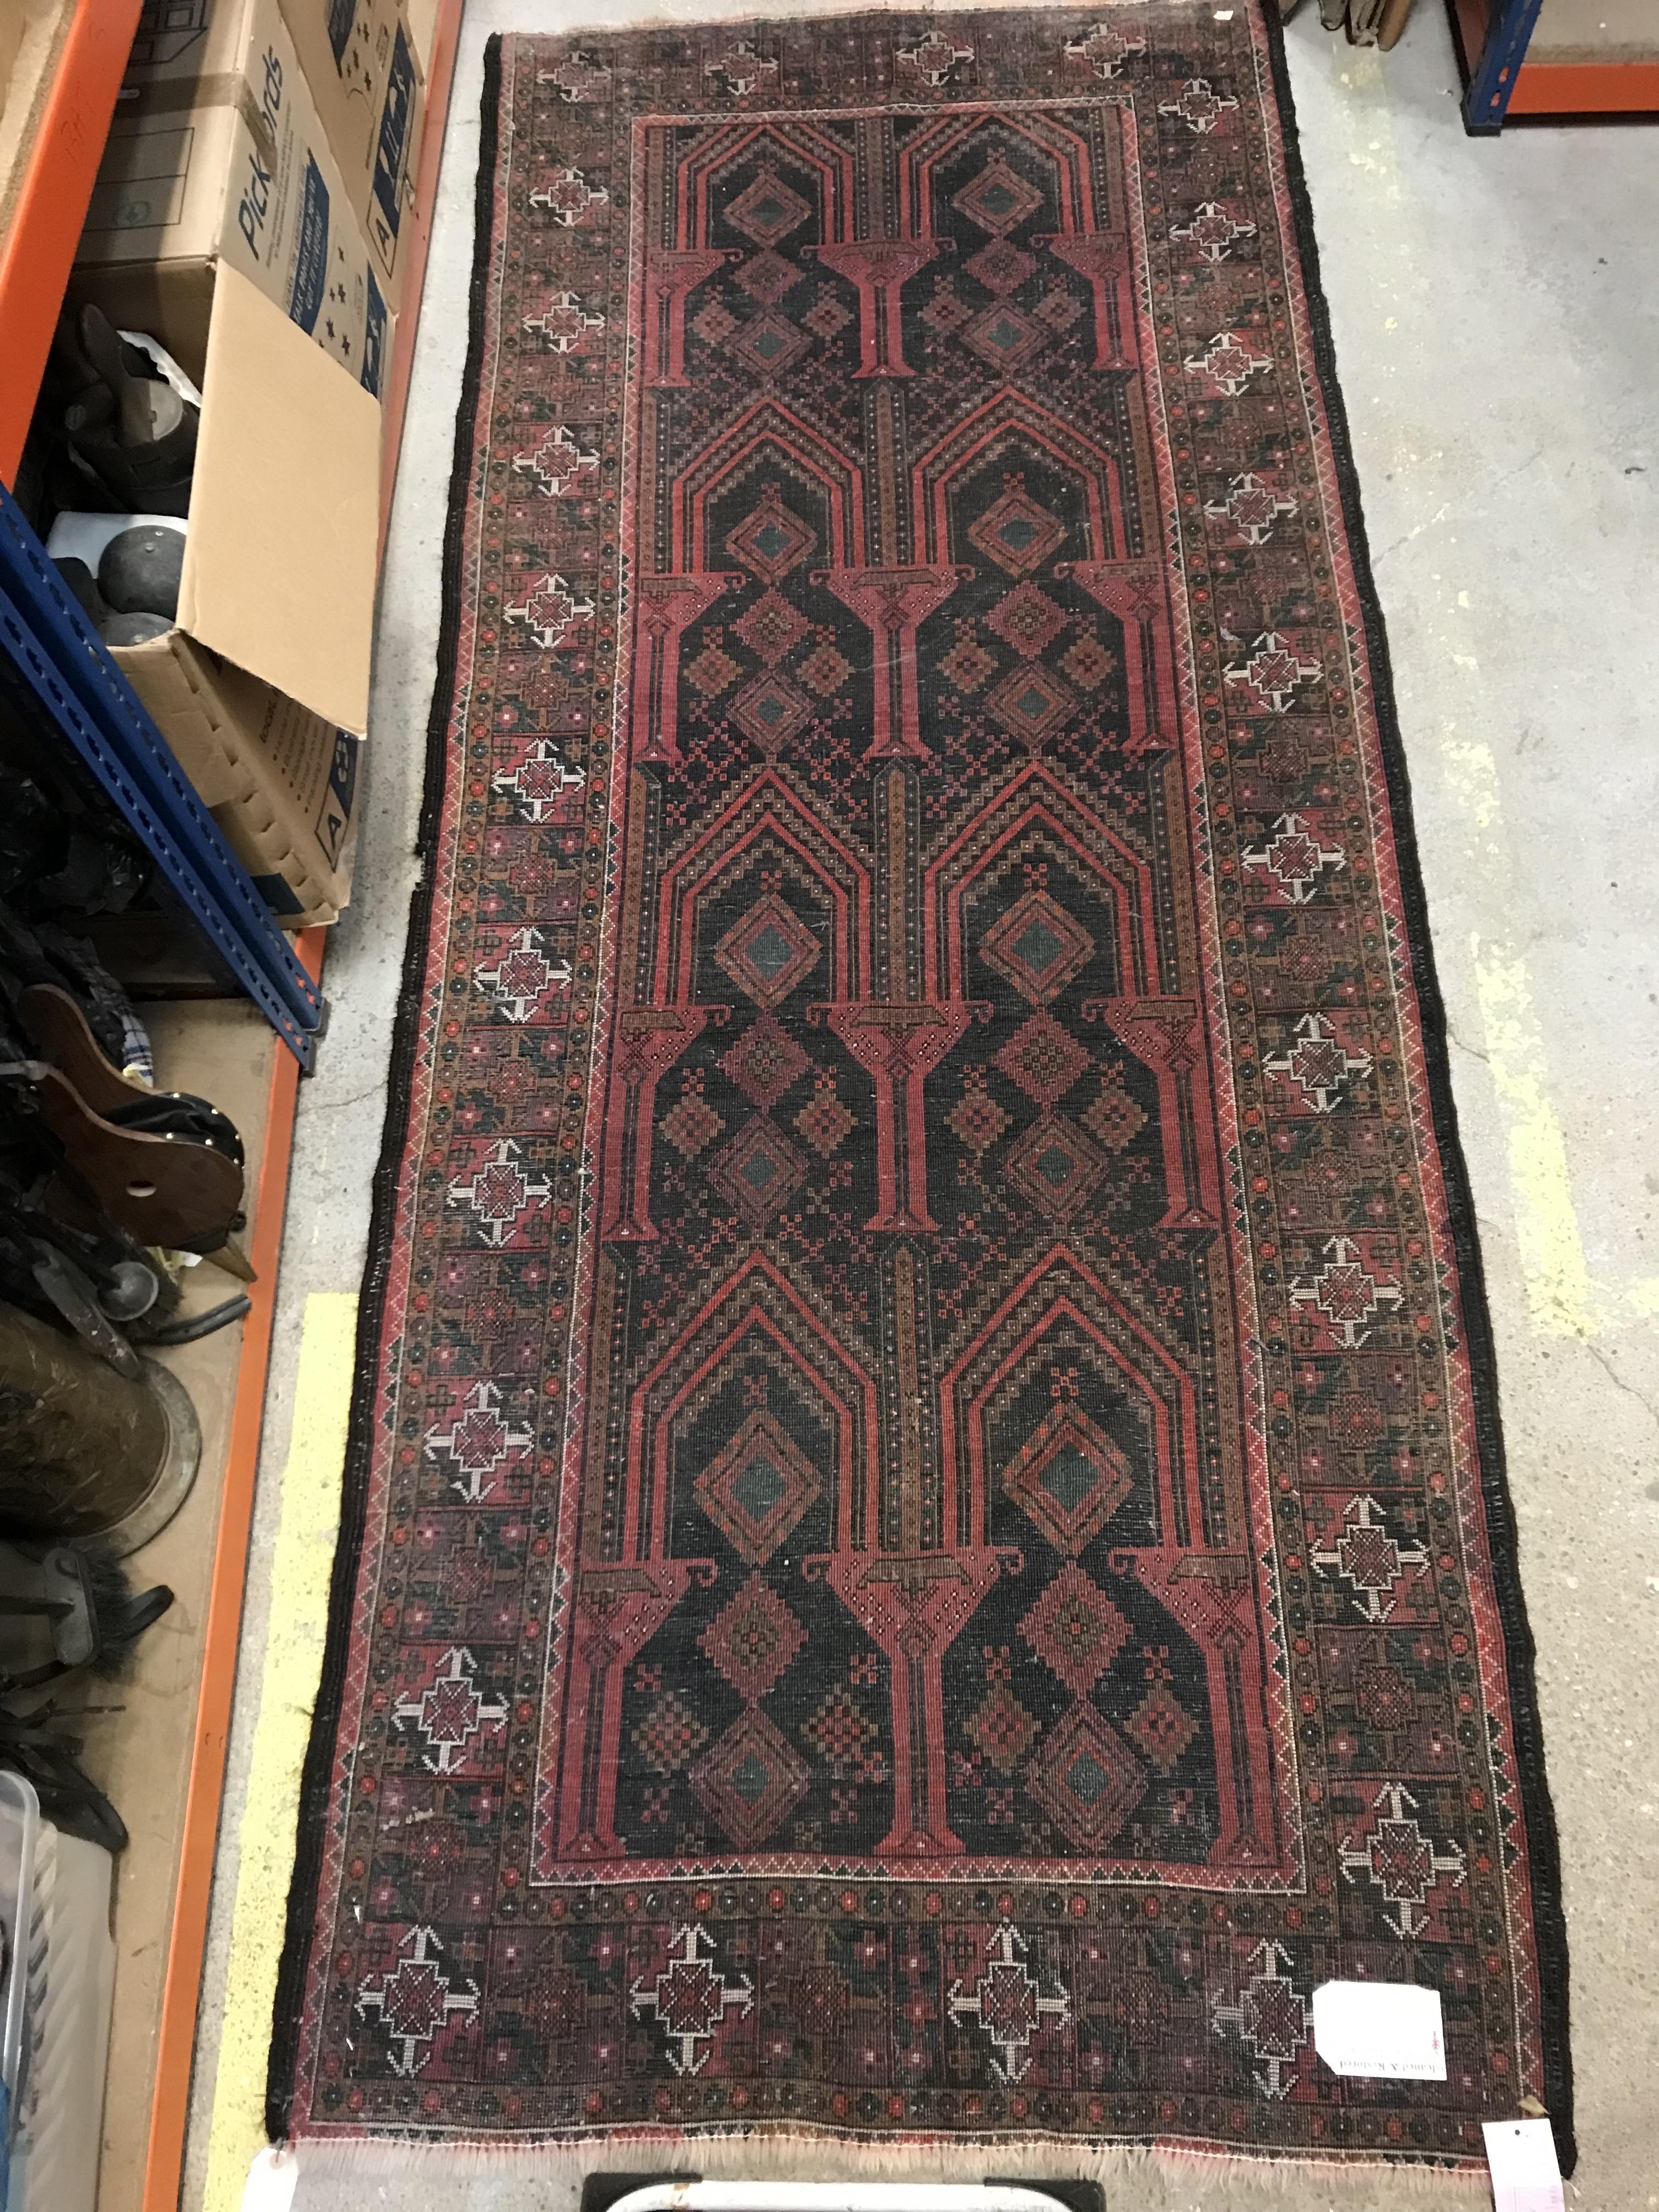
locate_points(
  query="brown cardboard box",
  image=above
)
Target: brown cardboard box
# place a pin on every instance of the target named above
(217, 149)
(362, 64)
(424, 29)
(262, 689)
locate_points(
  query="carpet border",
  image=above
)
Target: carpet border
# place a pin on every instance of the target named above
(316, 1777)
(1503, 1537)
(1549, 1926)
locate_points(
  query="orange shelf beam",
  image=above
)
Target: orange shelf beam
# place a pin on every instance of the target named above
(39, 247)
(193, 1889)
(440, 79)
(187, 1945)
(1586, 88)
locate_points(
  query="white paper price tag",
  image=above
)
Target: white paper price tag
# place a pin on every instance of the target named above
(1385, 2030)
(1525, 2174)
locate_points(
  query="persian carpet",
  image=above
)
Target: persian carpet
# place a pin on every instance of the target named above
(925, 1549)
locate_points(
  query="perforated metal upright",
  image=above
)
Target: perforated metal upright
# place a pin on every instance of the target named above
(1493, 70)
(58, 668)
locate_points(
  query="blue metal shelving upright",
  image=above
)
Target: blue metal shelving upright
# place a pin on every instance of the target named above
(1493, 71)
(57, 667)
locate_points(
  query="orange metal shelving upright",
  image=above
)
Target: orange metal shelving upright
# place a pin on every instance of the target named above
(36, 255)
(38, 246)
(187, 1941)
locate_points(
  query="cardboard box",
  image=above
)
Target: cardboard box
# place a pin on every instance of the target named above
(281, 782)
(424, 29)
(362, 64)
(262, 689)
(217, 149)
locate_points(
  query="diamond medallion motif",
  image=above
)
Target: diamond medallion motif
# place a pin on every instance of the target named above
(1087, 1778)
(771, 712)
(757, 1488)
(768, 210)
(1037, 947)
(1113, 1116)
(1042, 1058)
(976, 1118)
(767, 275)
(1018, 533)
(847, 1739)
(1161, 1727)
(1075, 1629)
(768, 952)
(1069, 1477)
(768, 344)
(1027, 619)
(765, 1061)
(771, 540)
(751, 1780)
(1056, 1166)
(1031, 704)
(1000, 267)
(753, 1639)
(670, 1734)
(825, 1122)
(770, 627)
(999, 199)
(1005, 337)
(691, 1124)
(1001, 1729)
(760, 1171)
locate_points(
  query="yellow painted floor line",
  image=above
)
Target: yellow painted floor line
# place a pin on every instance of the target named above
(1563, 1297)
(301, 1567)
(1559, 1287)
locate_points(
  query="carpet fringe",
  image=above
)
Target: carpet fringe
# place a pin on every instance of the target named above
(409, 2173)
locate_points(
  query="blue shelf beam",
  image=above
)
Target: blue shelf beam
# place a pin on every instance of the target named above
(58, 668)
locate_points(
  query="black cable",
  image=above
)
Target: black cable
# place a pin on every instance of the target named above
(197, 1325)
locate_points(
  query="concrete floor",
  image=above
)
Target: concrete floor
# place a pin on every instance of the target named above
(1495, 311)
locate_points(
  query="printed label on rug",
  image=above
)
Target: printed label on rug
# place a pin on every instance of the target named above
(1380, 2029)
(1525, 2174)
